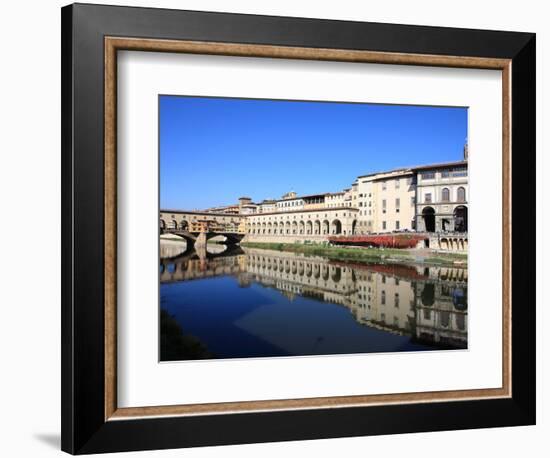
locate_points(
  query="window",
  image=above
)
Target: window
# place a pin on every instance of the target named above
(383, 299)
(462, 172)
(383, 186)
(397, 225)
(445, 195)
(461, 194)
(444, 174)
(428, 197)
(384, 225)
(397, 183)
(396, 300)
(397, 204)
(383, 205)
(427, 175)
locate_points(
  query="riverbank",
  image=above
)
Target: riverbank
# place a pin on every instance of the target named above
(367, 255)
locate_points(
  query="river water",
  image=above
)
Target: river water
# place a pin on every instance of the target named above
(232, 302)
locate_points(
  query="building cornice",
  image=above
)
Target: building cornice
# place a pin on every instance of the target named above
(305, 210)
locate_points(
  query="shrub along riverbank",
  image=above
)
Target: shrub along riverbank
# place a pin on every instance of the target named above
(365, 254)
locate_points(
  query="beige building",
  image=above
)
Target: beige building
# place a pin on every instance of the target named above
(301, 225)
(442, 197)
(386, 201)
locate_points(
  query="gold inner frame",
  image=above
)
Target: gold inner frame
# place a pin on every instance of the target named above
(114, 44)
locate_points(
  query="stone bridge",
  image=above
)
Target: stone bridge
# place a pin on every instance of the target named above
(192, 265)
(200, 238)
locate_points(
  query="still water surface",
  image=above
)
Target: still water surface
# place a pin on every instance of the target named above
(233, 302)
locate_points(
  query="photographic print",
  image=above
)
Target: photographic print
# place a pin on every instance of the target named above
(299, 228)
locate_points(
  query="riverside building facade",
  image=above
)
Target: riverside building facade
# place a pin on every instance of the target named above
(429, 198)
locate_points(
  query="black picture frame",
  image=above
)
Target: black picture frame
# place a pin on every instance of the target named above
(84, 428)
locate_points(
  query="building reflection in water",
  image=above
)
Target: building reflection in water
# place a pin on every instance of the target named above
(428, 304)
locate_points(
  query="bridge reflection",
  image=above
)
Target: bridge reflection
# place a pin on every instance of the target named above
(429, 304)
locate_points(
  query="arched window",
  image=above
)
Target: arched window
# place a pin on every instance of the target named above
(445, 195)
(461, 195)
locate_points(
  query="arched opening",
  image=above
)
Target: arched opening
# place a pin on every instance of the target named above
(336, 227)
(173, 224)
(428, 215)
(317, 227)
(325, 227)
(309, 227)
(354, 226)
(461, 194)
(428, 294)
(294, 227)
(461, 218)
(301, 227)
(162, 225)
(287, 227)
(445, 318)
(337, 274)
(184, 225)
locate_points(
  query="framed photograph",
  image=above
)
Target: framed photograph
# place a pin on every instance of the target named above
(281, 228)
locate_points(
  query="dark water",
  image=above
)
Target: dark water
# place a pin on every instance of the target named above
(238, 303)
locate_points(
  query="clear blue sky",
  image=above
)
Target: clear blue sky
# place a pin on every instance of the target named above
(214, 150)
